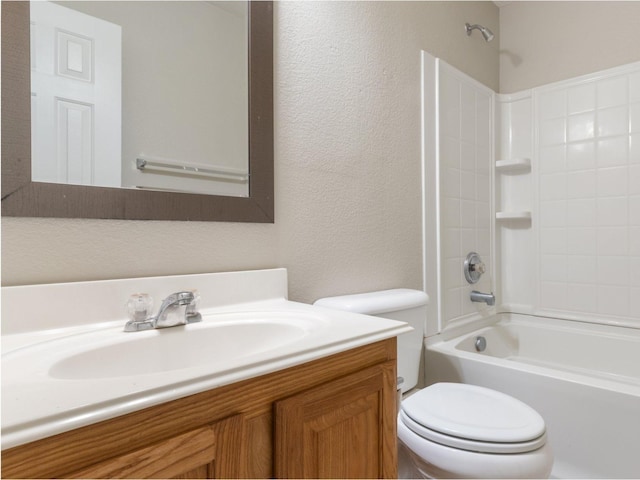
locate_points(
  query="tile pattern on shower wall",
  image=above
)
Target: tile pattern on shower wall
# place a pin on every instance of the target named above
(466, 110)
(589, 195)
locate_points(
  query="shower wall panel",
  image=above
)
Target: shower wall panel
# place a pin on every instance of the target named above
(515, 241)
(585, 263)
(589, 194)
(465, 119)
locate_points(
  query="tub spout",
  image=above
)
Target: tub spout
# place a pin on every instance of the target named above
(488, 298)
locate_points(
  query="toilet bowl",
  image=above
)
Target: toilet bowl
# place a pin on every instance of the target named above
(453, 430)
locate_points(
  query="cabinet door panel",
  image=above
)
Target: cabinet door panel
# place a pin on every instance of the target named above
(202, 453)
(345, 441)
(230, 441)
(166, 459)
(342, 429)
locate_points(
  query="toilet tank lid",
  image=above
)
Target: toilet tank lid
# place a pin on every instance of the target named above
(374, 303)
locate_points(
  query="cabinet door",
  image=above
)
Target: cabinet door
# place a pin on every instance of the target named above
(342, 429)
(207, 452)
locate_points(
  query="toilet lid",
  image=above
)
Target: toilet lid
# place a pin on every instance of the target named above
(470, 416)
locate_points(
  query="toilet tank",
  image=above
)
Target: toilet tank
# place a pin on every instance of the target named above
(400, 304)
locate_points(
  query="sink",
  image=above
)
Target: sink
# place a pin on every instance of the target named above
(177, 348)
(219, 341)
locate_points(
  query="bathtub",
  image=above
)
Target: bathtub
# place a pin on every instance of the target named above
(584, 379)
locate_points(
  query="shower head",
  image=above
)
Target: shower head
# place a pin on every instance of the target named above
(486, 33)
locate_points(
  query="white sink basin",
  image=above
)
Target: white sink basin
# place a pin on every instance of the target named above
(217, 343)
(210, 344)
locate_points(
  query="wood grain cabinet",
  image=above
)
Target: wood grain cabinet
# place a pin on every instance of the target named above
(330, 418)
(339, 429)
(206, 452)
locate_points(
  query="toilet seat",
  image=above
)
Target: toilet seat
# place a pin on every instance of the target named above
(473, 418)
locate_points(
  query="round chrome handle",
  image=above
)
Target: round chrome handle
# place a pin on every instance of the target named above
(473, 268)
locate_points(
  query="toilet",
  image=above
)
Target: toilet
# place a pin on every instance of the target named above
(452, 430)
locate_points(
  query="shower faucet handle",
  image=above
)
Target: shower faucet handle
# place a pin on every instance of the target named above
(473, 268)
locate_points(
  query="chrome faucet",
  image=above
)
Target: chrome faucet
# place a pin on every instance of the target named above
(177, 309)
(488, 298)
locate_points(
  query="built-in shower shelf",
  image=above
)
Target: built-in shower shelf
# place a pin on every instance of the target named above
(523, 216)
(514, 165)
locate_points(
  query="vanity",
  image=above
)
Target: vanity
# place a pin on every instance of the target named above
(262, 387)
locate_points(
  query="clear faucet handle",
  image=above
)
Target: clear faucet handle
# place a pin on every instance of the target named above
(140, 307)
(192, 308)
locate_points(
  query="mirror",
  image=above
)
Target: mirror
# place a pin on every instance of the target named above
(138, 94)
(24, 197)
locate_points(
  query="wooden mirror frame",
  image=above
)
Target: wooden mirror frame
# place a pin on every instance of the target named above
(23, 198)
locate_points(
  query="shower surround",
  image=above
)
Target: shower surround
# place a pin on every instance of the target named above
(554, 209)
(580, 256)
(458, 150)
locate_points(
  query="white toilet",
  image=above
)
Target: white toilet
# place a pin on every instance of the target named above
(453, 430)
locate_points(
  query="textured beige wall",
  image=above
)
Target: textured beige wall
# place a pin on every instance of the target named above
(347, 149)
(544, 42)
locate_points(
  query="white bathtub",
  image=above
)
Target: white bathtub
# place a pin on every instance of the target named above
(584, 379)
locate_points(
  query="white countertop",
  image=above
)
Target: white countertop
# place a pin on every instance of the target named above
(37, 402)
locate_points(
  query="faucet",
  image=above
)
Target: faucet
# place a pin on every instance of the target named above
(488, 298)
(177, 309)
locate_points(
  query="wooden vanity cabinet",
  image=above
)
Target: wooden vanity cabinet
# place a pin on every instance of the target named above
(338, 429)
(206, 452)
(330, 418)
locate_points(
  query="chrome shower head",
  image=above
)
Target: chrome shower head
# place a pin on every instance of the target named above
(486, 33)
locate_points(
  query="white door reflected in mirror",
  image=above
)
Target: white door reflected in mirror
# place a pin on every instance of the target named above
(166, 81)
(76, 97)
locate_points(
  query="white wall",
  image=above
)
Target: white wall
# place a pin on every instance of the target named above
(347, 149)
